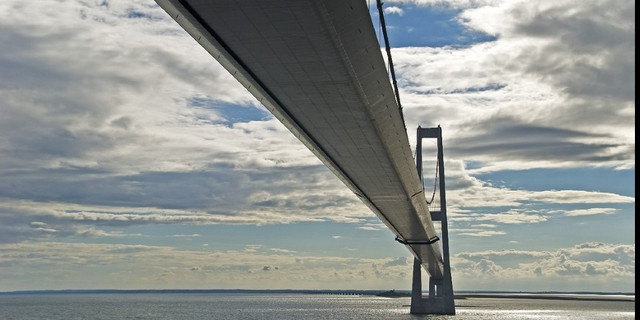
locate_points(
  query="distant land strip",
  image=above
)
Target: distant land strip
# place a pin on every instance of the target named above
(628, 297)
(552, 295)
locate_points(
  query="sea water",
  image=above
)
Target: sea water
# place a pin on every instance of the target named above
(289, 306)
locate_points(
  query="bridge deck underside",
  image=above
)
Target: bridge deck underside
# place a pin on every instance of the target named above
(317, 66)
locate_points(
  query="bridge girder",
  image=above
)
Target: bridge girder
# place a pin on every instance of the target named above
(316, 65)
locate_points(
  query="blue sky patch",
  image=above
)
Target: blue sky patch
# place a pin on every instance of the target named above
(232, 113)
(594, 179)
(426, 26)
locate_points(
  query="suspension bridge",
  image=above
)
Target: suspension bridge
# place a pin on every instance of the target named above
(316, 65)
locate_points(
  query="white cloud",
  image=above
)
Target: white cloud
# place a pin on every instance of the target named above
(284, 251)
(473, 232)
(579, 196)
(590, 211)
(21, 220)
(463, 190)
(486, 225)
(107, 88)
(586, 267)
(513, 217)
(394, 10)
(73, 265)
(373, 226)
(555, 90)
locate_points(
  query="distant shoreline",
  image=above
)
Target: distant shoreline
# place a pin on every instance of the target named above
(552, 295)
(589, 296)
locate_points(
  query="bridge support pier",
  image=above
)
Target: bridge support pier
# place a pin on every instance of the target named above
(440, 299)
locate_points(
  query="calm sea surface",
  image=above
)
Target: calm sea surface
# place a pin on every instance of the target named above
(289, 306)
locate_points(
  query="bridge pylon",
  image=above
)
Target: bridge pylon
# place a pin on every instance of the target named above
(440, 298)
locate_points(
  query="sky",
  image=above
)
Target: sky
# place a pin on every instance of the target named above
(130, 159)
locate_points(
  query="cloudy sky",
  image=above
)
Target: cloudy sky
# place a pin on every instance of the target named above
(130, 159)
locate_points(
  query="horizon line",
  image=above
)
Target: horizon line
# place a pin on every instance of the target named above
(179, 290)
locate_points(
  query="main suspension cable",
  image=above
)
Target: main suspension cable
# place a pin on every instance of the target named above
(388, 48)
(435, 184)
